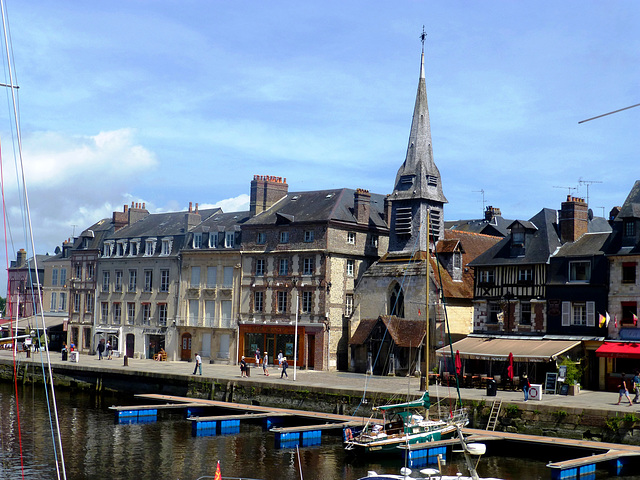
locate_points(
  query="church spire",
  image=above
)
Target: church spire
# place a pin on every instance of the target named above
(418, 185)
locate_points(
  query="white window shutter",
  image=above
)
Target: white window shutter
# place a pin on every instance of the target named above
(591, 314)
(566, 314)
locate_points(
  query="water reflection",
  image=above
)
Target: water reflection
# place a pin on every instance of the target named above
(96, 447)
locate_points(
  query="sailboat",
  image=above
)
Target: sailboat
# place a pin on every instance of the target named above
(406, 423)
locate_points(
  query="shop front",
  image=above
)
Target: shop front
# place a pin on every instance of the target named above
(155, 339)
(272, 340)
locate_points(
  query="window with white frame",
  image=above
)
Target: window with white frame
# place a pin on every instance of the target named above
(133, 280)
(282, 302)
(194, 312)
(88, 302)
(494, 312)
(197, 240)
(308, 266)
(148, 280)
(104, 312)
(54, 301)
(150, 246)
(580, 271)
(230, 239)
(120, 246)
(76, 302)
(350, 267)
(284, 237)
(284, 267)
(525, 313)
(212, 277)
(261, 238)
(486, 276)
(308, 236)
(225, 313)
(63, 301)
(106, 278)
(373, 241)
(259, 267)
(213, 240)
(258, 302)
(351, 238)
(348, 306)
(118, 281)
(146, 314)
(162, 314)
(134, 247)
(307, 300)
(195, 277)
(581, 314)
(164, 280)
(107, 248)
(131, 313)
(117, 313)
(167, 243)
(90, 271)
(209, 313)
(525, 275)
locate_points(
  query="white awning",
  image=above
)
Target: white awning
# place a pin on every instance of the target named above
(524, 350)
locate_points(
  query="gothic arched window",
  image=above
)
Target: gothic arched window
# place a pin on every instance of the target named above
(396, 301)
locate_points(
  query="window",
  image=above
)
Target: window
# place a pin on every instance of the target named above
(282, 302)
(117, 313)
(107, 248)
(308, 266)
(54, 301)
(350, 267)
(197, 240)
(525, 313)
(63, 301)
(629, 309)
(261, 238)
(131, 313)
(166, 246)
(146, 314)
(457, 260)
(76, 302)
(629, 272)
(230, 240)
(227, 280)
(284, 237)
(106, 277)
(149, 247)
(373, 241)
(148, 280)
(133, 278)
(133, 249)
(258, 302)
(486, 276)
(525, 275)
(193, 312)
(259, 267)
(518, 239)
(579, 271)
(209, 313)
(213, 240)
(307, 298)
(78, 271)
(284, 266)
(351, 238)
(162, 314)
(578, 314)
(225, 311)
(348, 306)
(308, 236)
(63, 277)
(195, 277)
(118, 285)
(90, 271)
(629, 228)
(54, 277)
(104, 312)
(494, 312)
(120, 249)
(212, 277)
(164, 280)
(396, 301)
(88, 302)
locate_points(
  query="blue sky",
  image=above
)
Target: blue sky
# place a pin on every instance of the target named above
(167, 102)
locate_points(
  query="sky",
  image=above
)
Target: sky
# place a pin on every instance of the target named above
(171, 102)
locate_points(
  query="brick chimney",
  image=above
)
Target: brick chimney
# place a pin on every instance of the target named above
(362, 205)
(387, 209)
(574, 219)
(120, 219)
(137, 212)
(491, 212)
(266, 190)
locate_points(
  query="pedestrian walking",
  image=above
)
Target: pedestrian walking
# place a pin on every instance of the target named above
(100, 349)
(258, 359)
(623, 390)
(525, 387)
(108, 350)
(285, 365)
(265, 362)
(243, 367)
(198, 364)
(636, 386)
(280, 357)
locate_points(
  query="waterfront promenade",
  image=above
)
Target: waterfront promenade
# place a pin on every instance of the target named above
(339, 381)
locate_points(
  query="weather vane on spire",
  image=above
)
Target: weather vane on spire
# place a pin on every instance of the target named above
(423, 36)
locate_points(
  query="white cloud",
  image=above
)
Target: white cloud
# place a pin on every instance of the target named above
(234, 204)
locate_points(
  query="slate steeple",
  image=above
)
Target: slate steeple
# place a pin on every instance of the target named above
(418, 185)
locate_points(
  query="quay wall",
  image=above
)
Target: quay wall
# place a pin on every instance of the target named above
(517, 417)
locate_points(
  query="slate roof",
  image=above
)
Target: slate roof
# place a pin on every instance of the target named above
(160, 224)
(319, 206)
(497, 226)
(588, 244)
(631, 206)
(95, 233)
(403, 332)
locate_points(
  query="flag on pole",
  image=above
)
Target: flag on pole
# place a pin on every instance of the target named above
(601, 320)
(606, 324)
(635, 320)
(218, 474)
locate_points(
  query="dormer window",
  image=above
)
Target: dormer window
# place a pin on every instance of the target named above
(229, 239)
(629, 228)
(149, 247)
(197, 240)
(213, 240)
(121, 247)
(107, 248)
(580, 271)
(518, 239)
(166, 246)
(134, 247)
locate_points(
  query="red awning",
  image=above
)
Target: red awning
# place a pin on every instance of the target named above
(619, 350)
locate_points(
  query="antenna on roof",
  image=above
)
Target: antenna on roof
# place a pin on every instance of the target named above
(568, 188)
(605, 114)
(483, 200)
(587, 183)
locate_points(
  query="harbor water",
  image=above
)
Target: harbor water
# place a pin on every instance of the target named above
(95, 447)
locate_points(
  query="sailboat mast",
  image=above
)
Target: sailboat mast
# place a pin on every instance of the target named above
(426, 312)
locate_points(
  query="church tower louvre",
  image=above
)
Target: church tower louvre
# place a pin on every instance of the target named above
(418, 186)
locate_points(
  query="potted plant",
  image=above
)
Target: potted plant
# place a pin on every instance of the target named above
(574, 375)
